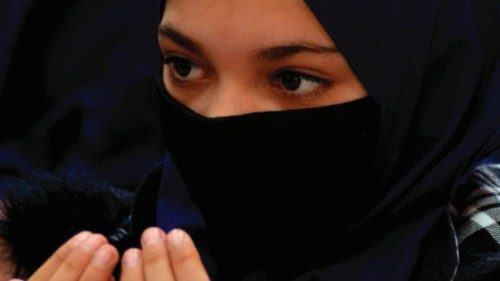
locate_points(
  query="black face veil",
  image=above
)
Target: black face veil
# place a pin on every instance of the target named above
(432, 67)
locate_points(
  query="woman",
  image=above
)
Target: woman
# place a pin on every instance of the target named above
(320, 141)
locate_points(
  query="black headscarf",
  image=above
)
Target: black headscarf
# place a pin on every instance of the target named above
(434, 69)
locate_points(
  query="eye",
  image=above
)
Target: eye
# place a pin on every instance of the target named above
(297, 83)
(183, 69)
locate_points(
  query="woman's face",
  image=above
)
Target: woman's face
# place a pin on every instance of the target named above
(230, 57)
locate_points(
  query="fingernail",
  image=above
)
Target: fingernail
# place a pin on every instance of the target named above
(176, 237)
(80, 237)
(151, 236)
(132, 257)
(93, 243)
(102, 257)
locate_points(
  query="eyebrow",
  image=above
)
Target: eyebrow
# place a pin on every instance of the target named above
(281, 52)
(180, 39)
(270, 54)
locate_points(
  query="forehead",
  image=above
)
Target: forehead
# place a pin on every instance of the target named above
(256, 22)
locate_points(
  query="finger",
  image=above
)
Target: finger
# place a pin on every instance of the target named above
(184, 257)
(102, 264)
(132, 266)
(155, 256)
(76, 263)
(52, 264)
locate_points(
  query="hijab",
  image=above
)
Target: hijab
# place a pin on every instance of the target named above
(433, 68)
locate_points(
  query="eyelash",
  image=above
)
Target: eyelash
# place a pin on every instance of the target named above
(275, 78)
(169, 61)
(323, 84)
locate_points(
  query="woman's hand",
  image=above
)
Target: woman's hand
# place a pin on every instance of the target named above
(85, 257)
(165, 257)
(89, 257)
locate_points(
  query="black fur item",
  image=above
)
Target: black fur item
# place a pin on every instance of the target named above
(39, 214)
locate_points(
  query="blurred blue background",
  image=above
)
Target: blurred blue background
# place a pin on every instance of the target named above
(74, 82)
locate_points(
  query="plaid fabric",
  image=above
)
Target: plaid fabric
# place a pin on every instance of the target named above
(480, 215)
(477, 216)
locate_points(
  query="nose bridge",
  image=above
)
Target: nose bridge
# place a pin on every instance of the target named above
(231, 96)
